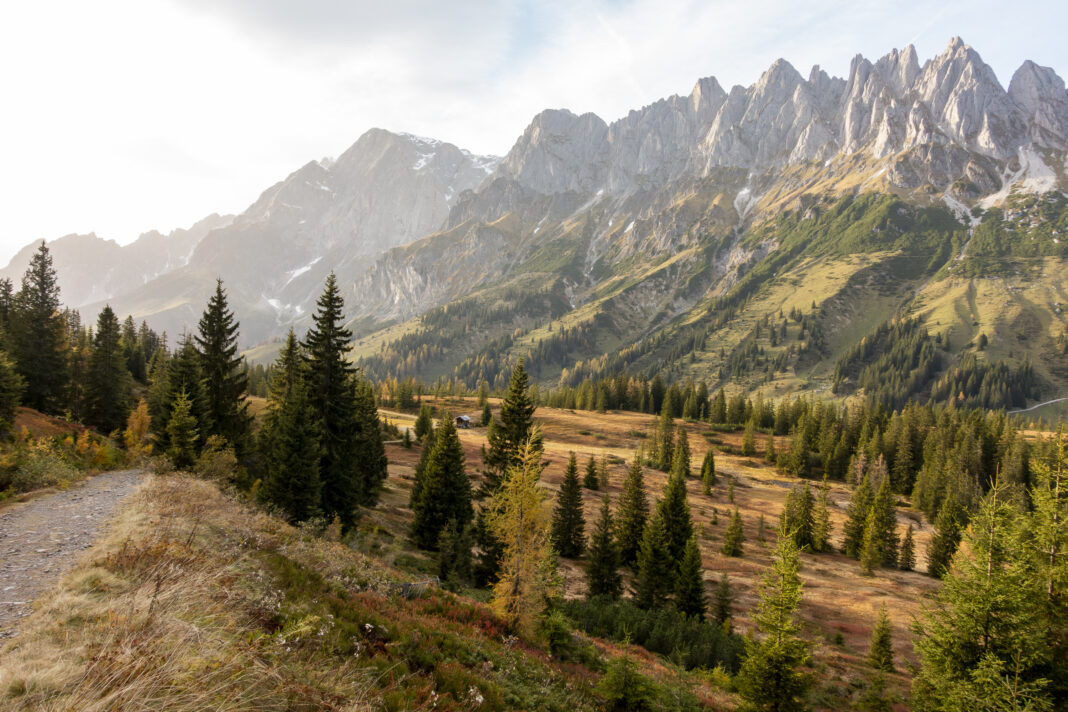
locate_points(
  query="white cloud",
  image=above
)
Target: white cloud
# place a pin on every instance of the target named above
(125, 115)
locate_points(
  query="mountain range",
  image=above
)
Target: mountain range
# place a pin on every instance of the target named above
(674, 240)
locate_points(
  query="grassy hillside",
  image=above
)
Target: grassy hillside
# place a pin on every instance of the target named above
(197, 600)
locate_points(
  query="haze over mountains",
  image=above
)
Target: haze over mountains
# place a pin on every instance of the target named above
(607, 219)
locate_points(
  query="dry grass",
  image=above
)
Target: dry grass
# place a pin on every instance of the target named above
(154, 617)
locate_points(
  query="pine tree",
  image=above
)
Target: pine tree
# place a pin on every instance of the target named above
(454, 555)
(796, 462)
(689, 582)
(769, 451)
(569, 526)
(857, 513)
(881, 651)
(730, 488)
(591, 479)
(176, 375)
(519, 518)
(771, 677)
(508, 434)
(371, 467)
(734, 537)
(182, 433)
(349, 474)
(633, 513)
(290, 442)
(717, 412)
(655, 581)
(906, 558)
(424, 422)
(37, 338)
(708, 471)
(981, 643)
(602, 473)
(487, 415)
(444, 494)
(723, 600)
(749, 438)
(674, 511)
(946, 539)
(602, 570)
(821, 519)
(664, 439)
(680, 458)
(798, 517)
(223, 371)
(885, 522)
(108, 383)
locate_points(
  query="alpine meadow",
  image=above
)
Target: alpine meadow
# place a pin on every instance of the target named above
(752, 399)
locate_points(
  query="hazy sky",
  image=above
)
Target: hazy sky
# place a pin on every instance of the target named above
(120, 116)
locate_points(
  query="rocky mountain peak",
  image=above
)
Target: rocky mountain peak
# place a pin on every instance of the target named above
(1040, 94)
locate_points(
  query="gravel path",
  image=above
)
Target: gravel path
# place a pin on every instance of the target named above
(40, 539)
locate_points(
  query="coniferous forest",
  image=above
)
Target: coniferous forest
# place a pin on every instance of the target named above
(993, 634)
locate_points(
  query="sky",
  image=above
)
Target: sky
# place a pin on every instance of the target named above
(121, 116)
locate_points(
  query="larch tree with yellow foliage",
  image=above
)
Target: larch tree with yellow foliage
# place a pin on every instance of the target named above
(520, 517)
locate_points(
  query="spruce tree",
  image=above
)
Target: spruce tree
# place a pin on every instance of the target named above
(181, 375)
(332, 390)
(798, 517)
(664, 439)
(680, 458)
(591, 480)
(633, 513)
(424, 422)
(487, 415)
(885, 522)
(569, 526)
(655, 581)
(906, 558)
(749, 438)
(946, 539)
(881, 651)
(771, 677)
(723, 600)
(37, 339)
(223, 372)
(602, 569)
(372, 467)
(708, 471)
(674, 510)
(182, 433)
(689, 582)
(769, 450)
(857, 513)
(821, 519)
(508, 433)
(602, 473)
(445, 492)
(108, 382)
(454, 555)
(981, 643)
(734, 537)
(290, 442)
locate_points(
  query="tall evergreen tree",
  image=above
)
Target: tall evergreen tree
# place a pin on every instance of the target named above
(723, 600)
(180, 374)
(771, 677)
(674, 510)
(881, 650)
(511, 430)
(372, 466)
(821, 519)
(680, 458)
(798, 519)
(290, 440)
(655, 581)
(346, 470)
(633, 513)
(664, 439)
(857, 513)
(182, 433)
(946, 539)
(708, 471)
(906, 558)
(734, 537)
(602, 570)
(108, 384)
(981, 643)
(223, 372)
(445, 491)
(591, 480)
(424, 422)
(689, 583)
(569, 526)
(37, 337)
(454, 555)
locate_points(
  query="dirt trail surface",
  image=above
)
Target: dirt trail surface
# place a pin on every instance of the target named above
(40, 539)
